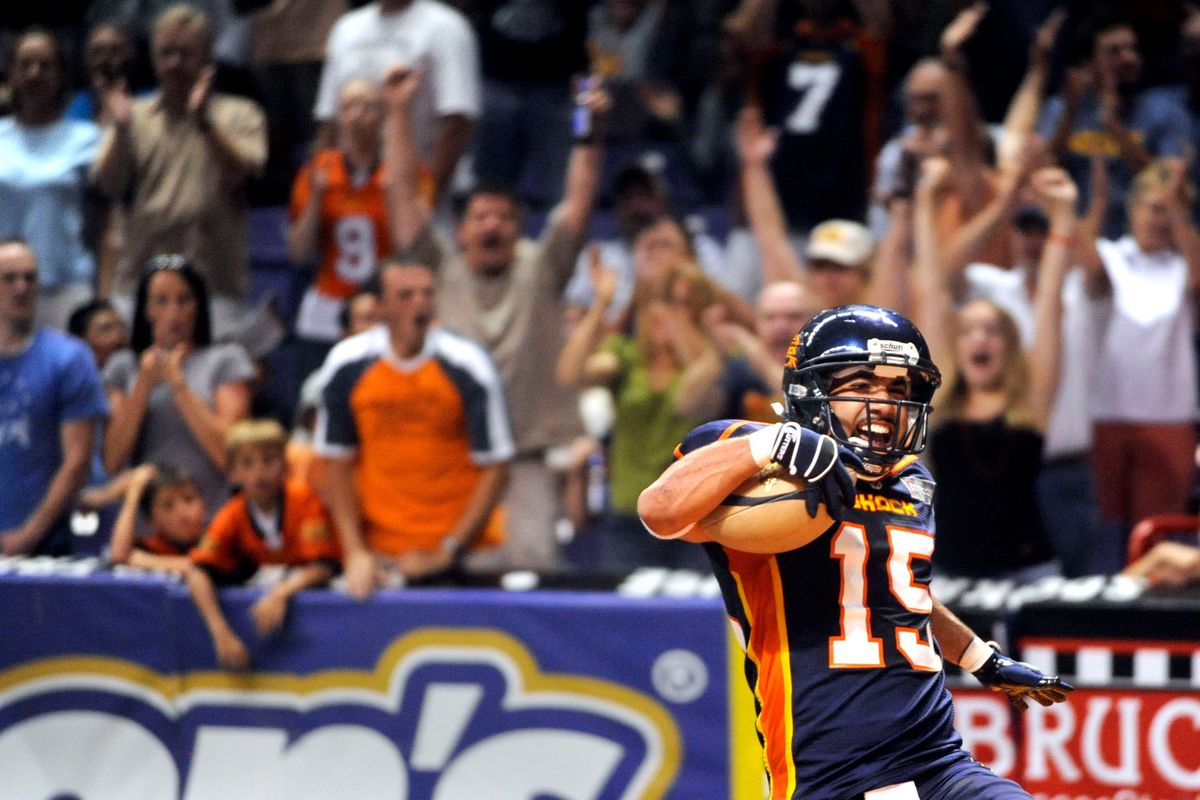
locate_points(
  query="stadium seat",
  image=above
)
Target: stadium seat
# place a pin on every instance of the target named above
(1155, 528)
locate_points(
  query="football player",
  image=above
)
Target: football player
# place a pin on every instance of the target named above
(844, 641)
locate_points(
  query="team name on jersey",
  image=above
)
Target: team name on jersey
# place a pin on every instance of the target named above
(877, 502)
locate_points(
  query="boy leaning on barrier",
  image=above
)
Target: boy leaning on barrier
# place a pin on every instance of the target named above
(270, 520)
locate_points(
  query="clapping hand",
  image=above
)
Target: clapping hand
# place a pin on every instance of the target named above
(604, 279)
(197, 104)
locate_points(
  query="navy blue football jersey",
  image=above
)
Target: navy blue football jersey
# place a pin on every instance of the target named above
(846, 676)
(815, 96)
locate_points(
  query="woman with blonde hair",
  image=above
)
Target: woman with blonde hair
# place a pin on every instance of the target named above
(665, 379)
(995, 399)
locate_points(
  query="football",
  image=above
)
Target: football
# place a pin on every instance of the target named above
(765, 514)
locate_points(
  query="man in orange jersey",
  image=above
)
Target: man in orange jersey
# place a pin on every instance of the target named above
(414, 429)
(844, 641)
(505, 291)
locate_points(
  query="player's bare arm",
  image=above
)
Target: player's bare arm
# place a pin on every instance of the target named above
(682, 502)
(693, 486)
(1018, 681)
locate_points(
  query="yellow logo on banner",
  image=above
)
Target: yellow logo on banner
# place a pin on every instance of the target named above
(267, 755)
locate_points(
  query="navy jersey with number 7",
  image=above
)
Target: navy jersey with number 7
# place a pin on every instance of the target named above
(846, 677)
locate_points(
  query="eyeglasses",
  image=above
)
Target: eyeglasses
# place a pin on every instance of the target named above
(10, 278)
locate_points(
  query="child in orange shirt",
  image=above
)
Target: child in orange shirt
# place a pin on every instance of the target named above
(171, 501)
(271, 520)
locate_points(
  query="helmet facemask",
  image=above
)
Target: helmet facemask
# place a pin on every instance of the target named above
(810, 402)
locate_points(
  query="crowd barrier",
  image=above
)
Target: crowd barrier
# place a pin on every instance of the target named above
(108, 691)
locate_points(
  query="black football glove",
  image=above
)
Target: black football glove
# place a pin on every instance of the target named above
(1020, 681)
(806, 454)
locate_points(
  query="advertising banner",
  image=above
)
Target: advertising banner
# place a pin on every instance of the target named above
(1131, 730)
(108, 691)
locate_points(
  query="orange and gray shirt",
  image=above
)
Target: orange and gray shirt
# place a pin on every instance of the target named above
(235, 544)
(421, 430)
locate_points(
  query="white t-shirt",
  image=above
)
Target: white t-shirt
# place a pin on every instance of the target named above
(1146, 371)
(1069, 429)
(427, 35)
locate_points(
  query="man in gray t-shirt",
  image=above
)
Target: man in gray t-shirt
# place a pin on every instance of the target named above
(505, 292)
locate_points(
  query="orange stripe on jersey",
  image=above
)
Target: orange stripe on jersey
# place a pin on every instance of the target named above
(725, 434)
(707, 429)
(901, 465)
(761, 592)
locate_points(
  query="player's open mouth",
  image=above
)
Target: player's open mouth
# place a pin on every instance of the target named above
(876, 435)
(981, 359)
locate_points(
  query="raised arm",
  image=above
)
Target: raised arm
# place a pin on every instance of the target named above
(889, 270)
(454, 134)
(303, 232)
(575, 364)
(1090, 227)
(114, 161)
(697, 396)
(734, 339)
(1025, 107)
(933, 309)
(756, 145)
(584, 167)
(409, 212)
(1055, 188)
(1133, 151)
(1077, 82)
(962, 115)
(969, 240)
(1183, 228)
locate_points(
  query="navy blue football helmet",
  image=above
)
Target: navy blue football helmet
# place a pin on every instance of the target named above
(877, 341)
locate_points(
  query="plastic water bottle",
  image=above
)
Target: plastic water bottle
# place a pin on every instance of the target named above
(597, 484)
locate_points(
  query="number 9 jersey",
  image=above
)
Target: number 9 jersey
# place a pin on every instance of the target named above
(846, 677)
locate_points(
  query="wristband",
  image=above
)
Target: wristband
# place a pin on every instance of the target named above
(975, 655)
(1060, 238)
(762, 444)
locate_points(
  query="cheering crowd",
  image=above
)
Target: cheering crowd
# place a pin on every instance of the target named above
(529, 245)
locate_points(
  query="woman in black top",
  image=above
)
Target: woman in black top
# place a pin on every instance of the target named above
(995, 399)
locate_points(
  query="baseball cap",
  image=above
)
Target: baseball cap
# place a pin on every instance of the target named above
(842, 242)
